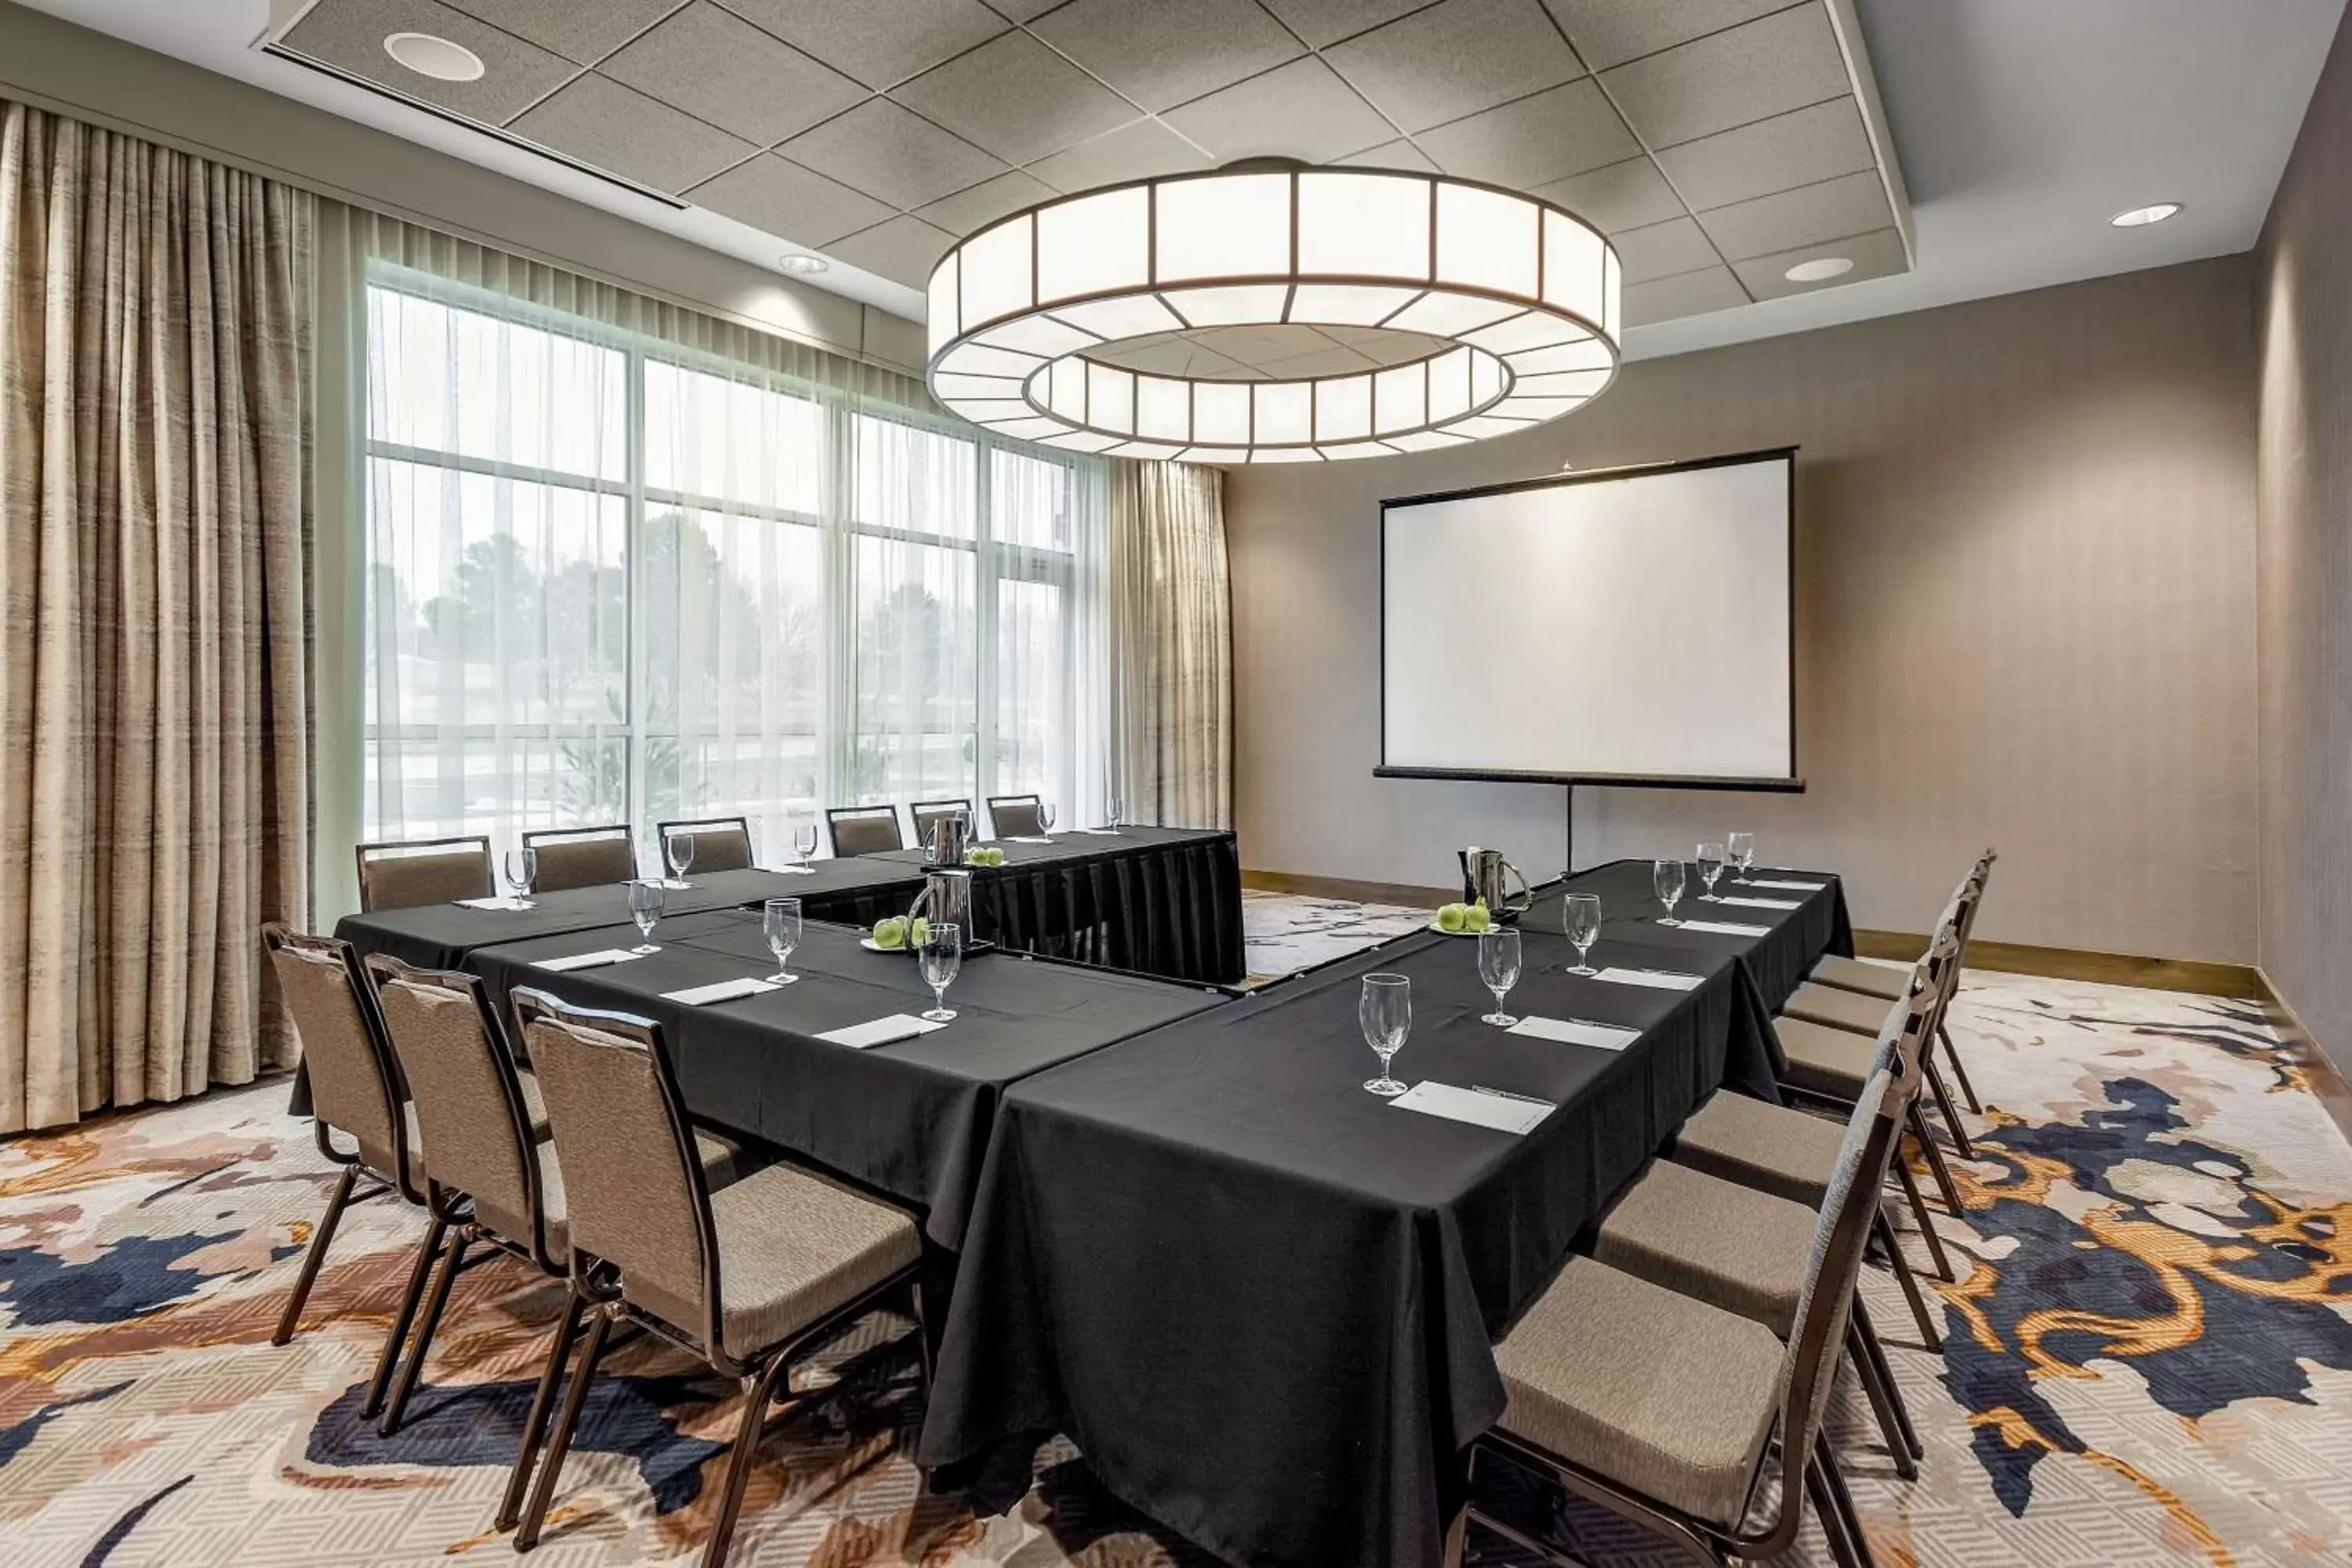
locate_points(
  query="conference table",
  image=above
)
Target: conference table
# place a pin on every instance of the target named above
(1262, 1301)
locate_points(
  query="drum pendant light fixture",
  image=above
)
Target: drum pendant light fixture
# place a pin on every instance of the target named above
(1272, 312)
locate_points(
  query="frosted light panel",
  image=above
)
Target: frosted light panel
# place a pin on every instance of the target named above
(1642, 626)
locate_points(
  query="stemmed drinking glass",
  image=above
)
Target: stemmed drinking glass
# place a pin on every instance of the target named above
(1499, 966)
(1583, 927)
(1114, 810)
(779, 922)
(1710, 867)
(645, 909)
(1667, 877)
(522, 870)
(677, 848)
(941, 954)
(1740, 852)
(803, 843)
(1385, 1011)
(1044, 816)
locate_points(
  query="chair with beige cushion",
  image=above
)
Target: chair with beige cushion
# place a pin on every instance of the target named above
(1015, 815)
(396, 876)
(927, 812)
(354, 1091)
(720, 842)
(863, 829)
(746, 1277)
(1884, 982)
(1662, 1408)
(581, 857)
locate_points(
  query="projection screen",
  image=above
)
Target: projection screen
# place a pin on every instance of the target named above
(1631, 625)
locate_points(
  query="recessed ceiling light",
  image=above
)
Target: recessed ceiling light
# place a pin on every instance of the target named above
(1820, 269)
(435, 56)
(1567, 468)
(800, 264)
(2140, 217)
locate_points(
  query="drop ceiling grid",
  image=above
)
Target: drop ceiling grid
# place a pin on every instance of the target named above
(1468, 75)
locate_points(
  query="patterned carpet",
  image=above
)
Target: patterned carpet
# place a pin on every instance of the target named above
(2151, 1353)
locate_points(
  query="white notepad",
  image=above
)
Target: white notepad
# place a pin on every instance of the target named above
(601, 957)
(1726, 927)
(1017, 838)
(1763, 903)
(719, 991)
(499, 903)
(1792, 887)
(1575, 1032)
(1656, 979)
(881, 1031)
(1501, 1113)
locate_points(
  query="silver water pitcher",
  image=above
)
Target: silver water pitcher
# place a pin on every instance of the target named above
(946, 899)
(1485, 875)
(950, 837)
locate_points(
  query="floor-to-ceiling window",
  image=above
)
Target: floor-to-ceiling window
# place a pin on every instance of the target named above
(610, 580)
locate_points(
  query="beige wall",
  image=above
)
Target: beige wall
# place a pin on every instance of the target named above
(2026, 590)
(2305, 568)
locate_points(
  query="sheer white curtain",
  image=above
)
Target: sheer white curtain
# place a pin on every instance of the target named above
(627, 562)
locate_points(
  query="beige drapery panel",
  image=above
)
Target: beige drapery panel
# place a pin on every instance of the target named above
(154, 523)
(1172, 645)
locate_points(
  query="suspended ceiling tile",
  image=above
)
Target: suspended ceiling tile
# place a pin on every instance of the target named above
(1176, 356)
(903, 249)
(1322, 22)
(1610, 32)
(1170, 51)
(1623, 195)
(1016, 98)
(582, 33)
(1398, 155)
(1134, 152)
(1878, 255)
(1777, 154)
(1664, 249)
(879, 42)
(970, 210)
(1333, 361)
(1456, 58)
(350, 35)
(714, 64)
(1019, 10)
(599, 121)
(1687, 294)
(1850, 205)
(1298, 110)
(1750, 72)
(1564, 130)
(890, 155)
(778, 195)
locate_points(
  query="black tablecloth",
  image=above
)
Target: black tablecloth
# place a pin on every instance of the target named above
(1158, 900)
(911, 1119)
(1262, 1301)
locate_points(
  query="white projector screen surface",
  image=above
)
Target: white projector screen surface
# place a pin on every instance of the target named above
(1626, 627)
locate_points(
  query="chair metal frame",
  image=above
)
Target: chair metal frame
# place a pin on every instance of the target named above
(836, 814)
(540, 838)
(362, 853)
(692, 826)
(997, 828)
(923, 813)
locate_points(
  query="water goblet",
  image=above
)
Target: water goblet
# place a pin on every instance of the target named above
(522, 870)
(1710, 867)
(1499, 966)
(1584, 929)
(677, 849)
(645, 909)
(1384, 1010)
(779, 922)
(1666, 877)
(1739, 852)
(941, 954)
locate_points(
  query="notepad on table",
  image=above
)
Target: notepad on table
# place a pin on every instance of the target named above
(1018, 838)
(1726, 927)
(1763, 903)
(497, 904)
(595, 960)
(1503, 1112)
(1100, 832)
(1577, 1032)
(719, 991)
(881, 1031)
(1656, 979)
(1792, 887)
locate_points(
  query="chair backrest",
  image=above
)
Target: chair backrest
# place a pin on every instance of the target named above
(396, 876)
(581, 857)
(925, 812)
(720, 842)
(633, 1181)
(1014, 814)
(352, 1089)
(469, 1105)
(863, 829)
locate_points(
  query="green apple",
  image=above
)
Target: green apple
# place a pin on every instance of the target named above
(1451, 917)
(920, 933)
(1477, 919)
(890, 933)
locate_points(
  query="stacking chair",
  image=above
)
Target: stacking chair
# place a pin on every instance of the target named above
(1873, 980)
(354, 1091)
(396, 876)
(1662, 1408)
(720, 842)
(494, 1181)
(582, 857)
(1743, 1249)
(863, 829)
(925, 812)
(746, 1277)
(1014, 814)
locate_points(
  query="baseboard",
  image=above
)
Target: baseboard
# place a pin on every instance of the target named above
(2238, 980)
(2320, 1070)
(1410, 896)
